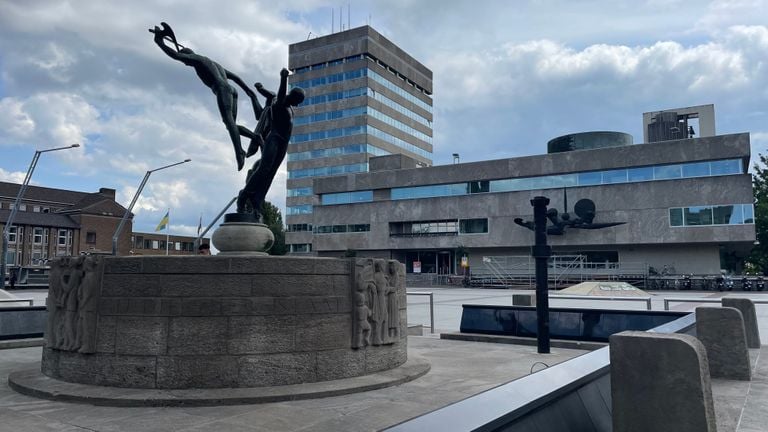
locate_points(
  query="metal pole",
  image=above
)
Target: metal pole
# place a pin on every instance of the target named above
(431, 313)
(133, 202)
(541, 252)
(213, 222)
(17, 203)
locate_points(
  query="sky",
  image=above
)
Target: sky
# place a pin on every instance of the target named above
(508, 77)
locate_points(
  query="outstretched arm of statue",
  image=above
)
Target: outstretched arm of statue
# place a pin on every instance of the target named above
(237, 80)
(269, 95)
(283, 86)
(160, 41)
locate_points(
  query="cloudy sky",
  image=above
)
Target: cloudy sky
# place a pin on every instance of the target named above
(508, 76)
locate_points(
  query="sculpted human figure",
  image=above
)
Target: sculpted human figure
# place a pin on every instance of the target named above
(87, 306)
(216, 78)
(380, 314)
(55, 302)
(275, 146)
(393, 305)
(71, 286)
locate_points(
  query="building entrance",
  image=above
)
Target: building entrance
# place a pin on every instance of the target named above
(428, 261)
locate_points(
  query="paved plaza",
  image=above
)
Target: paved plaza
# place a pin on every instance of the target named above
(459, 370)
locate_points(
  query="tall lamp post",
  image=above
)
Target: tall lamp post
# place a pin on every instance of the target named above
(17, 203)
(133, 202)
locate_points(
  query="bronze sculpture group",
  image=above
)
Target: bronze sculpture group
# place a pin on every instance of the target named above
(275, 119)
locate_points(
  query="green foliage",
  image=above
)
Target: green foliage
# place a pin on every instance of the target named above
(272, 218)
(758, 259)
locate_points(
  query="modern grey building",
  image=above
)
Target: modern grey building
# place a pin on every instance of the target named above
(684, 204)
(365, 97)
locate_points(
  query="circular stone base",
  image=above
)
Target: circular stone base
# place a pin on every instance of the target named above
(33, 383)
(237, 236)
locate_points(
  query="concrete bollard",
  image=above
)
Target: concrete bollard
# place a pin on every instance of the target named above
(747, 309)
(660, 382)
(721, 330)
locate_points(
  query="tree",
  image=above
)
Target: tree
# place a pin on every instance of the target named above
(758, 259)
(274, 221)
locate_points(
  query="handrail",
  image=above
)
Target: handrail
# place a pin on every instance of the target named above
(647, 300)
(431, 307)
(667, 300)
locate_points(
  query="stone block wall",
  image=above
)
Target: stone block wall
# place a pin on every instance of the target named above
(210, 322)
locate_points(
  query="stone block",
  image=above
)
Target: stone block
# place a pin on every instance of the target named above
(184, 264)
(322, 304)
(141, 335)
(129, 285)
(201, 306)
(379, 358)
(747, 309)
(106, 328)
(277, 369)
(524, 299)
(721, 330)
(197, 335)
(261, 334)
(660, 382)
(290, 285)
(321, 332)
(332, 266)
(205, 285)
(122, 265)
(197, 372)
(272, 305)
(342, 363)
(128, 371)
(236, 306)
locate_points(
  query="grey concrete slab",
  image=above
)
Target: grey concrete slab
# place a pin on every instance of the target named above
(459, 369)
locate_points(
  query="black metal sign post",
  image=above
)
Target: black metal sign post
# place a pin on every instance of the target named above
(541, 252)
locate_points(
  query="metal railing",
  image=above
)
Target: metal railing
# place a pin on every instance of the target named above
(18, 300)
(431, 307)
(703, 300)
(647, 300)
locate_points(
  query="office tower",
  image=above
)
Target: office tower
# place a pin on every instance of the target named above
(365, 97)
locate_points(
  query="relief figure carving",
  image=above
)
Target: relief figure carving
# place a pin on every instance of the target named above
(376, 314)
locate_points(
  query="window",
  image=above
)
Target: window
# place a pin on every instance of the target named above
(22, 207)
(676, 217)
(148, 244)
(90, 237)
(301, 247)
(697, 216)
(735, 214)
(347, 197)
(424, 228)
(177, 246)
(299, 227)
(37, 235)
(13, 232)
(155, 244)
(665, 172)
(726, 167)
(615, 176)
(36, 209)
(304, 191)
(299, 209)
(62, 237)
(479, 186)
(473, 226)
(139, 242)
(639, 174)
(590, 178)
(699, 169)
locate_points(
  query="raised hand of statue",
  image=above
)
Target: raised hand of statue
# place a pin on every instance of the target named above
(284, 73)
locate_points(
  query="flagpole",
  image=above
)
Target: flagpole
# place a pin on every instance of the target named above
(168, 231)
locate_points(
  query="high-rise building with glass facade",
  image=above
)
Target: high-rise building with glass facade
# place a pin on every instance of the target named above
(364, 97)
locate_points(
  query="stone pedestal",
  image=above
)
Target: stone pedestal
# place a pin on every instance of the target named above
(165, 322)
(242, 234)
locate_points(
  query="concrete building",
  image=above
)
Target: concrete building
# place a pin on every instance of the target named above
(365, 97)
(56, 222)
(684, 204)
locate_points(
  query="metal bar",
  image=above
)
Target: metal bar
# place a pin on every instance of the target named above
(26, 300)
(128, 211)
(213, 222)
(431, 307)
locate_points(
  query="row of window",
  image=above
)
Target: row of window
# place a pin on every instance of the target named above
(40, 235)
(337, 151)
(358, 111)
(736, 214)
(342, 76)
(298, 209)
(299, 228)
(299, 192)
(139, 242)
(438, 227)
(327, 170)
(347, 197)
(357, 130)
(333, 229)
(25, 207)
(334, 96)
(334, 62)
(300, 247)
(626, 175)
(400, 91)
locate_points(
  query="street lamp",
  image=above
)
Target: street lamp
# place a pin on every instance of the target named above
(133, 202)
(17, 203)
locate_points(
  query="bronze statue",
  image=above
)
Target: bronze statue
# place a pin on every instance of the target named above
(585, 216)
(277, 123)
(216, 78)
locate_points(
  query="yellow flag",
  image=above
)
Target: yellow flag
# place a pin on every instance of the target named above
(163, 222)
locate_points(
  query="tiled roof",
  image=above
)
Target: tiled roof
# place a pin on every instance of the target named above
(39, 219)
(43, 194)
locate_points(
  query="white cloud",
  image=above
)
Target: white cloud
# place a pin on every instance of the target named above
(12, 177)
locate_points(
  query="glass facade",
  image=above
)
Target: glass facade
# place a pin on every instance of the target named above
(327, 170)
(299, 209)
(299, 227)
(302, 191)
(732, 214)
(335, 229)
(590, 178)
(358, 130)
(347, 197)
(358, 111)
(300, 247)
(337, 151)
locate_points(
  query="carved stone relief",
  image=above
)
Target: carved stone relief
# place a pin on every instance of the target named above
(376, 314)
(73, 297)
